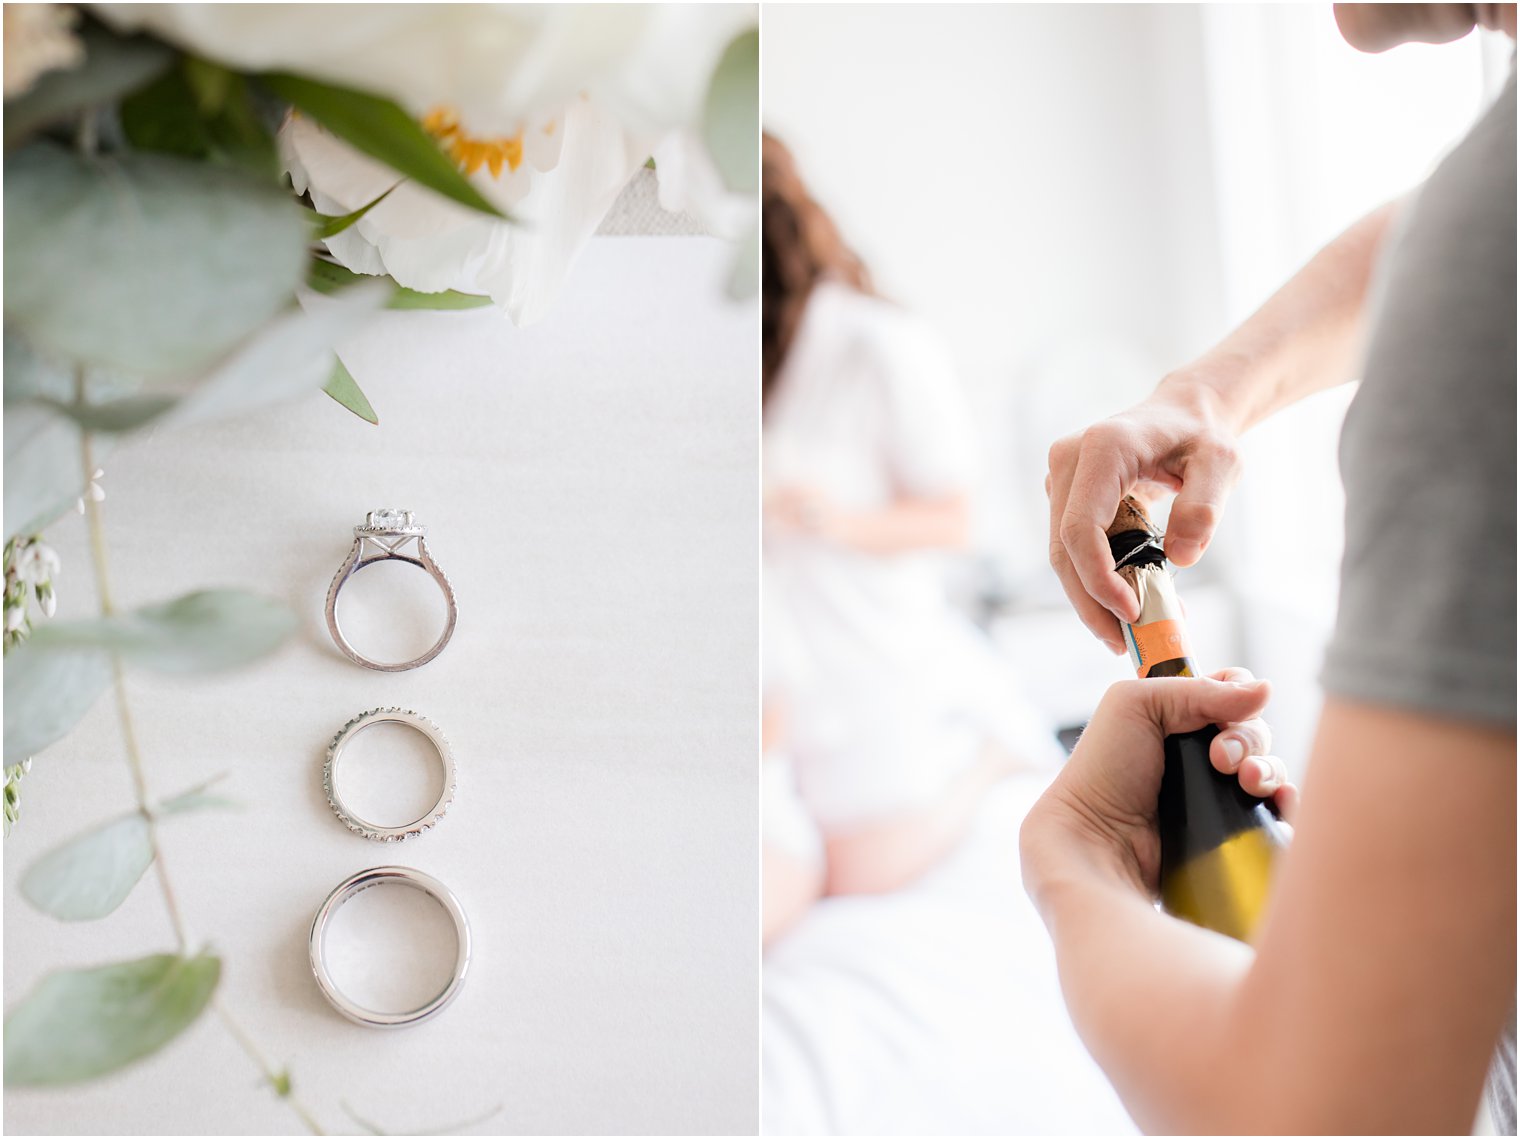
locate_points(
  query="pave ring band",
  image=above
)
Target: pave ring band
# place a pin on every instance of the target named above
(383, 537)
(340, 742)
(381, 876)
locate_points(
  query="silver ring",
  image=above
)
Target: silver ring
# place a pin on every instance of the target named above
(381, 876)
(416, 722)
(382, 538)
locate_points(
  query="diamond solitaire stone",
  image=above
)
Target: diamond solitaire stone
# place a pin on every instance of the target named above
(387, 520)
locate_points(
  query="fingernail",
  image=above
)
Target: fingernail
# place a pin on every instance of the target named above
(1234, 752)
(1269, 781)
(1185, 553)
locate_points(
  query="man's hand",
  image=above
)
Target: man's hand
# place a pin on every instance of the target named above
(1177, 440)
(1103, 803)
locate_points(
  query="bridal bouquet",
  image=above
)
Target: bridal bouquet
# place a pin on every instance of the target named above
(181, 182)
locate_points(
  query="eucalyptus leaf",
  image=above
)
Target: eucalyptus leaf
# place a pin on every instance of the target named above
(48, 691)
(91, 874)
(44, 469)
(29, 375)
(290, 357)
(145, 263)
(382, 130)
(731, 115)
(744, 273)
(198, 799)
(343, 388)
(200, 632)
(116, 416)
(195, 799)
(448, 299)
(113, 66)
(330, 226)
(79, 1024)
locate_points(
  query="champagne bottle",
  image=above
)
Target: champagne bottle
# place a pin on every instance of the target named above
(1219, 844)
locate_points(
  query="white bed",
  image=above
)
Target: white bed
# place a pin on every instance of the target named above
(935, 1010)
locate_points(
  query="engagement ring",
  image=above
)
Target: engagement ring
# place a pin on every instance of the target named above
(384, 537)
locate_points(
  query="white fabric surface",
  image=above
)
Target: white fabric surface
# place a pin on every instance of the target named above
(589, 487)
(933, 1011)
(887, 690)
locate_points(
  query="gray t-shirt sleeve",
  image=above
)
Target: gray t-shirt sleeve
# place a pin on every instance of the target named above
(1426, 619)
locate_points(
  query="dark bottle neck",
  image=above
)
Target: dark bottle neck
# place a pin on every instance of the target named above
(1180, 666)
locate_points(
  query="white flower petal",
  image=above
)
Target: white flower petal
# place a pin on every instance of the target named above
(527, 264)
(495, 64)
(661, 81)
(690, 183)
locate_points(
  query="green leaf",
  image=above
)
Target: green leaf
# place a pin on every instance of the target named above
(44, 473)
(164, 117)
(744, 273)
(79, 1024)
(382, 130)
(31, 376)
(405, 298)
(195, 801)
(290, 357)
(113, 66)
(115, 416)
(56, 674)
(330, 226)
(200, 632)
(144, 263)
(345, 390)
(202, 111)
(731, 117)
(91, 874)
(211, 84)
(329, 277)
(48, 691)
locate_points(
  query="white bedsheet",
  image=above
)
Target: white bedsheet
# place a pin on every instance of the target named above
(935, 1010)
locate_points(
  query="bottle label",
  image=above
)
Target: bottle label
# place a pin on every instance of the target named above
(1154, 642)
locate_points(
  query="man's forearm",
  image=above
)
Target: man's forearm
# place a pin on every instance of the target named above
(1152, 998)
(1305, 338)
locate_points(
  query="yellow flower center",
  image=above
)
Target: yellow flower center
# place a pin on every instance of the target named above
(469, 152)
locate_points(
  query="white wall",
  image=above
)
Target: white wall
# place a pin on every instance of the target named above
(1030, 178)
(1082, 196)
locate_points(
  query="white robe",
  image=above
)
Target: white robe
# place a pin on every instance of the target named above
(888, 690)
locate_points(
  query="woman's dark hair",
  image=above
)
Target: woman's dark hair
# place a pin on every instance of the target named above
(799, 245)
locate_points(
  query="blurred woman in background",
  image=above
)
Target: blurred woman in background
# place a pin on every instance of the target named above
(888, 716)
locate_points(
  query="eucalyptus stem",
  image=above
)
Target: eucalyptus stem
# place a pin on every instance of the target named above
(278, 1081)
(123, 709)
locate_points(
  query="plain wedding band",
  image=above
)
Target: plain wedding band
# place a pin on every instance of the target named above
(381, 876)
